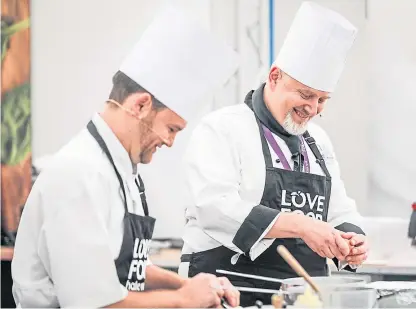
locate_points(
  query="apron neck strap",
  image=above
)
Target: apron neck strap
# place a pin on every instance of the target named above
(94, 132)
(140, 185)
(319, 159)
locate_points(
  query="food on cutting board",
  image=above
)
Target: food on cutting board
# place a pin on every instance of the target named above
(277, 301)
(308, 299)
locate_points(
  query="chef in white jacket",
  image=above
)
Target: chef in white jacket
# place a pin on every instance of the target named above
(84, 236)
(260, 175)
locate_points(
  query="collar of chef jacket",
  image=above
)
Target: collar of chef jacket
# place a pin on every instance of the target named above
(118, 152)
(267, 119)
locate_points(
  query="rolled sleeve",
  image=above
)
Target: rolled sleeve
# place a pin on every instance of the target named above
(349, 227)
(255, 227)
(262, 244)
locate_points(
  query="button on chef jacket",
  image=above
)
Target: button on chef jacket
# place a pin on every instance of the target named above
(225, 172)
(72, 228)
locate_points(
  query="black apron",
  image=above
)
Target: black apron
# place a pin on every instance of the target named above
(288, 191)
(132, 260)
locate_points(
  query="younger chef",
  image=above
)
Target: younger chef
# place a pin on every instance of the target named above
(84, 236)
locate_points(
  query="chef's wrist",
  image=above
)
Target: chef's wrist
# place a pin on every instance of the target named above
(301, 225)
(176, 282)
(288, 225)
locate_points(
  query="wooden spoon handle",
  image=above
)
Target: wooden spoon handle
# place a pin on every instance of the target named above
(289, 258)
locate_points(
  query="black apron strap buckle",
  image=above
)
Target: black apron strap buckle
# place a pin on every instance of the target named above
(309, 140)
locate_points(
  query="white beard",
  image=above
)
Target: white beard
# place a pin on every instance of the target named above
(292, 127)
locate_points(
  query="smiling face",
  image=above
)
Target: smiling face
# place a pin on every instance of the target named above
(150, 127)
(292, 103)
(157, 130)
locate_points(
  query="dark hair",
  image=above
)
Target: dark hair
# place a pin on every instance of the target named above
(123, 86)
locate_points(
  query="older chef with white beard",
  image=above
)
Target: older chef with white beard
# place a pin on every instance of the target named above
(260, 175)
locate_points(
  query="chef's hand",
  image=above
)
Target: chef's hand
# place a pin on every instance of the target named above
(324, 239)
(231, 294)
(359, 248)
(201, 291)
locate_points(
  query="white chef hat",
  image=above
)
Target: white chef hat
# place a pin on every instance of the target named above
(179, 62)
(316, 47)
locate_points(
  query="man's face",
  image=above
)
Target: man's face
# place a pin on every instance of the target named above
(158, 129)
(291, 103)
(149, 128)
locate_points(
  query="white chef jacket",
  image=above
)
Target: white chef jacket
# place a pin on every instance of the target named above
(71, 229)
(226, 174)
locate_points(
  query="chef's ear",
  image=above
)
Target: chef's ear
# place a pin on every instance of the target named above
(141, 104)
(275, 75)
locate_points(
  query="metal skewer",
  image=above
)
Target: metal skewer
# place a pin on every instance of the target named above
(226, 272)
(255, 290)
